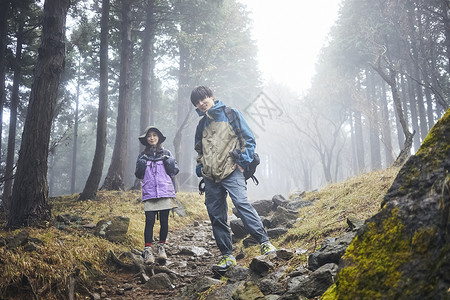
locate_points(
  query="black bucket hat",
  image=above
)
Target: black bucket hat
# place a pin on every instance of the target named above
(143, 137)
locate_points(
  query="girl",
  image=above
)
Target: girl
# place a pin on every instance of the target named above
(156, 167)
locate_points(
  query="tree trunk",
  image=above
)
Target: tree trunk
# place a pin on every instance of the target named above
(93, 181)
(182, 105)
(413, 109)
(115, 178)
(29, 205)
(75, 136)
(51, 173)
(147, 101)
(426, 74)
(4, 9)
(386, 127)
(445, 6)
(391, 80)
(353, 144)
(374, 128)
(441, 103)
(13, 119)
(404, 93)
(359, 139)
(359, 143)
(422, 127)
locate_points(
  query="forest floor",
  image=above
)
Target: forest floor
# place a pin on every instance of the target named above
(120, 284)
(64, 252)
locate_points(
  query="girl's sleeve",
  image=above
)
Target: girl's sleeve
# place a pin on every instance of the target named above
(141, 164)
(170, 164)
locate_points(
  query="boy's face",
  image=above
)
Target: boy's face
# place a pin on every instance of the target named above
(205, 104)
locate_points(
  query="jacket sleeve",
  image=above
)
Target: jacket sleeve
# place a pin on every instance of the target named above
(198, 146)
(249, 143)
(170, 164)
(141, 164)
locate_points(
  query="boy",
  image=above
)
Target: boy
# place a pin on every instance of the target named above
(221, 160)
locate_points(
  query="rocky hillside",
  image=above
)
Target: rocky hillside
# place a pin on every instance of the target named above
(325, 249)
(403, 252)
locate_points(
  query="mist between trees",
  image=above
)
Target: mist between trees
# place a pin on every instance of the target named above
(381, 83)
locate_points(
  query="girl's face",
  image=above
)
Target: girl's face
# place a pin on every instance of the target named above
(152, 138)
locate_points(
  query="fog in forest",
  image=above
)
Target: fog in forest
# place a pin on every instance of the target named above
(378, 84)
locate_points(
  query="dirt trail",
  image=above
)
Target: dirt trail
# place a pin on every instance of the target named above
(121, 284)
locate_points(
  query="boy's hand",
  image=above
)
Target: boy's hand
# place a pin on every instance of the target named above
(239, 167)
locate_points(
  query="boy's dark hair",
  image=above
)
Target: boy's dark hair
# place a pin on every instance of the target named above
(200, 93)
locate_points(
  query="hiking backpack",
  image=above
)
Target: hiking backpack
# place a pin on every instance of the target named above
(250, 169)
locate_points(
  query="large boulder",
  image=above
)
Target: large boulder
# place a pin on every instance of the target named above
(330, 251)
(313, 285)
(263, 207)
(114, 229)
(283, 217)
(403, 251)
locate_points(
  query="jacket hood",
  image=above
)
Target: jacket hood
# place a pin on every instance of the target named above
(143, 137)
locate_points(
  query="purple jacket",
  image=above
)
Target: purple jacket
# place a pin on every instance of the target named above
(156, 182)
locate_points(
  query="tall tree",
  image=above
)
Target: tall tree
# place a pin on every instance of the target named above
(374, 122)
(13, 116)
(115, 178)
(147, 101)
(390, 76)
(30, 192)
(213, 36)
(4, 8)
(75, 131)
(386, 127)
(93, 180)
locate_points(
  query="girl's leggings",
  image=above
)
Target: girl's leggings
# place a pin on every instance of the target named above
(150, 217)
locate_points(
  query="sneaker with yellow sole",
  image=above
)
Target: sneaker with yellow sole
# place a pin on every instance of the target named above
(224, 264)
(267, 248)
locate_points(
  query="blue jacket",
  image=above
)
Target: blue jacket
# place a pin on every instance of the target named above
(218, 145)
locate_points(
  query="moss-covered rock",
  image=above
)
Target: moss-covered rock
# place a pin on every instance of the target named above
(403, 252)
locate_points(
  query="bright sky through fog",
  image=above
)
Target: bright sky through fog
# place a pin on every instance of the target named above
(289, 35)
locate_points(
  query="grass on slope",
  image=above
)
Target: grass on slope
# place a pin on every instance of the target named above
(358, 197)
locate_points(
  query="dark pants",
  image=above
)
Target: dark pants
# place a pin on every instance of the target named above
(150, 217)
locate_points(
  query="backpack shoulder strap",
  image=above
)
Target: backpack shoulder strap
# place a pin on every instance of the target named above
(231, 115)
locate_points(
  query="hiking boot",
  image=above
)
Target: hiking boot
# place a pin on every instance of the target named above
(161, 257)
(224, 264)
(267, 248)
(148, 256)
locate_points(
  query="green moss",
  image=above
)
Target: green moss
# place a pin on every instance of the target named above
(423, 239)
(414, 177)
(409, 176)
(433, 136)
(330, 294)
(374, 260)
(436, 146)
